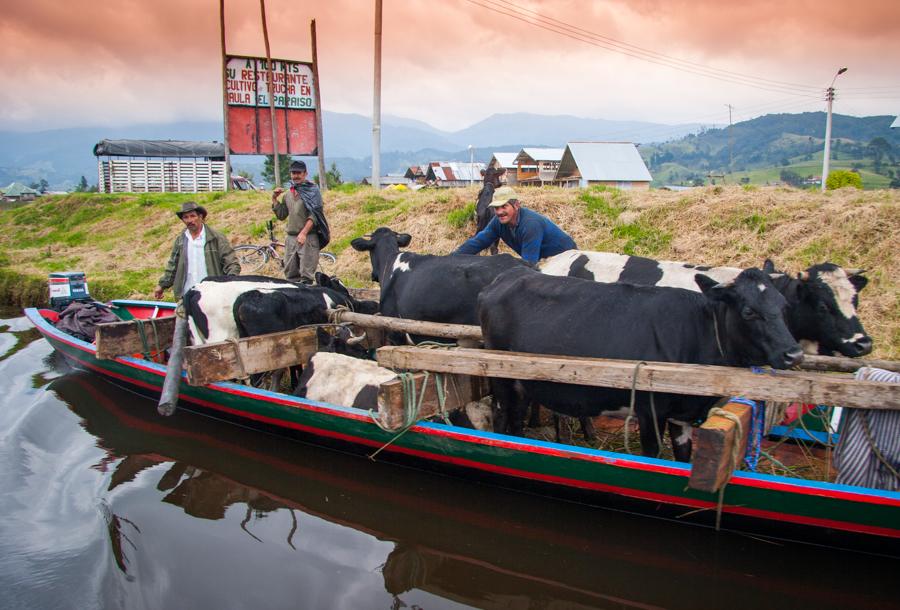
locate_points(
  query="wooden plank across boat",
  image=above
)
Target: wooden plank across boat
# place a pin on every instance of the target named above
(837, 515)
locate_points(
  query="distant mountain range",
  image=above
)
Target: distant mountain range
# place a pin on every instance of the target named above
(672, 152)
(62, 156)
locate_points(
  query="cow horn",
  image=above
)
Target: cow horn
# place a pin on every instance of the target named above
(803, 276)
(356, 339)
(851, 272)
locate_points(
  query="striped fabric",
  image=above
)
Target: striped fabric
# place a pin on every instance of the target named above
(854, 459)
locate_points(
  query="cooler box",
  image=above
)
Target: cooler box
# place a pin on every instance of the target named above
(67, 286)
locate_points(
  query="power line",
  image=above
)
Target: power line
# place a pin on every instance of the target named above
(650, 52)
(569, 31)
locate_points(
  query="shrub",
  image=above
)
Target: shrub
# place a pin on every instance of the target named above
(840, 178)
(460, 217)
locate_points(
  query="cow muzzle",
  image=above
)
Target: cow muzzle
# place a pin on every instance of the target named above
(855, 349)
(792, 357)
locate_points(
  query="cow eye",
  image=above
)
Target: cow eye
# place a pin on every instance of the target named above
(822, 307)
(748, 314)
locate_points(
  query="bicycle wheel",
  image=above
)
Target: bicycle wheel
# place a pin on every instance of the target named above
(251, 258)
(326, 261)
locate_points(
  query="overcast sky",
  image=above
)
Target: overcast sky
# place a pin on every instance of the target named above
(455, 62)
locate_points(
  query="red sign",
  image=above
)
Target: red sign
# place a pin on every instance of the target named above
(249, 116)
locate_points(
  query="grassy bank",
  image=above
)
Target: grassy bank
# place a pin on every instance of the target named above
(122, 241)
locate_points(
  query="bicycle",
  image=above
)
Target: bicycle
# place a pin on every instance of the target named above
(254, 258)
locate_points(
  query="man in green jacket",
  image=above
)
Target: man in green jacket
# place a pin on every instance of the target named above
(199, 251)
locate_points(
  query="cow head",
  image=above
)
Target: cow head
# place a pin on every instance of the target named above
(383, 246)
(824, 309)
(340, 340)
(749, 319)
(331, 281)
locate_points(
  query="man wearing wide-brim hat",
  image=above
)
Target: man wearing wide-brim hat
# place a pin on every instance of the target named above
(532, 235)
(199, 251)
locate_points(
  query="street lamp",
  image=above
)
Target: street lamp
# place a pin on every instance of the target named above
(471, 165)
(829, 97)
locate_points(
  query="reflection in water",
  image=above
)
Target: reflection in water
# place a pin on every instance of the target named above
(199, 513)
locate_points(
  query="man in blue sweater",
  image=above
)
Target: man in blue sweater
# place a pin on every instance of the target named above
(530, 234)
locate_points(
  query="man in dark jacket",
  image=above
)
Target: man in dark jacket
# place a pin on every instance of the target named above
(306, 225)
(532, 235)
(199, 251)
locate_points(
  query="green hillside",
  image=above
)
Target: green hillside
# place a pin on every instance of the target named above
(780, 148)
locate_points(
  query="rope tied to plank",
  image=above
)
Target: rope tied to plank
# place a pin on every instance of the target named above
(238, 358)
(628, 420)
(735, 454)
(412, 405)
(145, 342)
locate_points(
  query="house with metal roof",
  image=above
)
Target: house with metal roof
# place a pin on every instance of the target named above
(453, 173)
(160, 166)
(616, 164)
(16, 191)
(416, 174)
(507, 161)
(537, 166)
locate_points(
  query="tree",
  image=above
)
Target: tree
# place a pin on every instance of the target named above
(268, 173)
(878, 149)
(82, 185)
(43, 186)
(791, 177)
(333, 176)
(840, 178)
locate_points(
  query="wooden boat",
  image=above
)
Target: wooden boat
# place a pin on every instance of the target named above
(779, 507)
(502, 554)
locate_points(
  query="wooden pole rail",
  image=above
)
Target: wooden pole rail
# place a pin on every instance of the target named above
(473, 333)
(417, 327)
(842, 364)
(785, 386)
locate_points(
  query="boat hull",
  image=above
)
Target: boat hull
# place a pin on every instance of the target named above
(824, 513)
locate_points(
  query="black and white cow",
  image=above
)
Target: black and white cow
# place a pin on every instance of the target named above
(429, 287)
(340, 380)
(220, 308)
(739, 323)
(822, 300)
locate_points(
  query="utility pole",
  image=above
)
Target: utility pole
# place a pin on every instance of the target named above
(225, 94)
(376, 109)
(829, 98)
(730, 140)
(271, 90)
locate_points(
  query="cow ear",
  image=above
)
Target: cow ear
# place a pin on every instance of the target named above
(712, 289)
(362, 244)
(858, 280)
(403, 239)
(769, 266)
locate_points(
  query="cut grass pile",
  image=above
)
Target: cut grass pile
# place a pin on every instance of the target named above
(122, 241)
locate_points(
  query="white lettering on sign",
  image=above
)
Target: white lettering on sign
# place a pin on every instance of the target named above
(247, 83)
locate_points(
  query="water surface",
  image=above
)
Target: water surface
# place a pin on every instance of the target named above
(105, 504)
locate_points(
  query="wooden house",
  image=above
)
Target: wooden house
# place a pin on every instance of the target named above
(537, 166)
(507, 161)
(615, 164)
